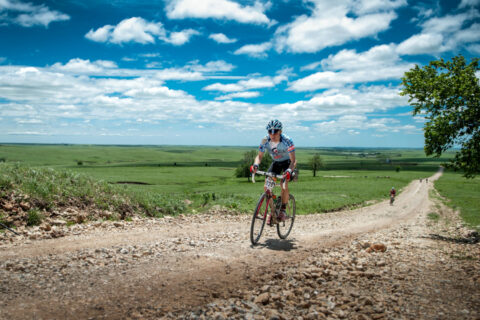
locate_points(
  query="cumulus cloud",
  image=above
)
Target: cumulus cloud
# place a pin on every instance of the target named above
(243, 85)
(53, 94)
(368, 6)
(254, 50)
(28, 14)
(139, 30)
(81, 66)
(339, 110)
(181, 37)
(134, 29)
(211, 66)
(421, 43)
(469, 3)
(193, 71)
(349, 67)
(330, 24)
(244, 95)
(221, 38)
(441, 34)
(218, 9)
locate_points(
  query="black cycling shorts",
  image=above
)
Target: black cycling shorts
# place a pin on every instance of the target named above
(278, 167)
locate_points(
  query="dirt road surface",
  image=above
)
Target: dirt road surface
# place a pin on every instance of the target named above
(203, 266)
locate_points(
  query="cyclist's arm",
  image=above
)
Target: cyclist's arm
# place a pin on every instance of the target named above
(258, 158)
(293, 160)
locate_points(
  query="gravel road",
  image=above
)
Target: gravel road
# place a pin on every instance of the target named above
(375, 262)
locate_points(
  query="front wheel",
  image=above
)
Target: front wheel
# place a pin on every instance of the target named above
(284, 227)
(259, 218)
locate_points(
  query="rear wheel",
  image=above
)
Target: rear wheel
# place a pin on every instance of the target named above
(284, 227)
(259, 218)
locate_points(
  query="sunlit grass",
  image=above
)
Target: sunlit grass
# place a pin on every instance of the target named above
(462, 194)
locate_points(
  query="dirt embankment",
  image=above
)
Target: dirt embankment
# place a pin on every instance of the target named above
(377, 262)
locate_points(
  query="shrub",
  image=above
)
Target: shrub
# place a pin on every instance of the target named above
(34, 217)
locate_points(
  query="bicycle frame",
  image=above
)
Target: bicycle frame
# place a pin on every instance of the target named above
(269, 203)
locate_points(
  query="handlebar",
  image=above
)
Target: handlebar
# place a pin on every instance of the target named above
(268, 174)
(272, 175)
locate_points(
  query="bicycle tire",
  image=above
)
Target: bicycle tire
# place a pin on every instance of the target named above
(285, 227)
(258, 220)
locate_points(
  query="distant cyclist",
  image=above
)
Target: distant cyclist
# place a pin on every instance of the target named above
(392, 195)
(282, 150)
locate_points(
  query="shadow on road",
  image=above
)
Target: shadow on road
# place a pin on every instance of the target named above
(278, 244)
(471, 238)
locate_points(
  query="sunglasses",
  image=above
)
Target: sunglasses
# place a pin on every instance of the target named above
(273, 131)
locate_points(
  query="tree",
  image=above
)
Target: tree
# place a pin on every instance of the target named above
(243, 170)
(448, 94)
(316, 163)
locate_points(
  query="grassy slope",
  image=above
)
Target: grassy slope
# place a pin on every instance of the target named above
(462, 194)
(216, 184)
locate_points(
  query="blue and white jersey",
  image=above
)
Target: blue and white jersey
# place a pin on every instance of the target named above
(279, 151)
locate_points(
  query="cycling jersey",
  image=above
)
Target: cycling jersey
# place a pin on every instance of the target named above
(280, 151)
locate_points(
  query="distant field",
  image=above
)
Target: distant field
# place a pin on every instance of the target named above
(205, 175)
(462, 194)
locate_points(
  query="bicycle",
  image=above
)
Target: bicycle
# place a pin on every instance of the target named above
(268, 200)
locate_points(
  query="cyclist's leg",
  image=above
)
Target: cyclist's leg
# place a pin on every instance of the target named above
(276, 169)
(285, 193)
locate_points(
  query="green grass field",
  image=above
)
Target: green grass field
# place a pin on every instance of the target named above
(205, 175)
(461, 194)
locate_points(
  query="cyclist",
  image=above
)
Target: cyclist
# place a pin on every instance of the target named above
(392, 195)
(282, 150)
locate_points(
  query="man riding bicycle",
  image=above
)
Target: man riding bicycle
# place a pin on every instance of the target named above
(282, 150)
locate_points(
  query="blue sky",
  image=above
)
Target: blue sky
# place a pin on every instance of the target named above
(213, 72)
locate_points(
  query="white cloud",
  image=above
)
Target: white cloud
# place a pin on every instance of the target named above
(80, 66)
(349, 67)
(243, 85)
(244, 95)
(355, 124)
(349, 105)
(331, 25)
(367, 6)
(28, 14)
(193, 71)
(221, 38)
(43, 96)
(421, 43)
(139, 30)
(102, 34)
(474, 48)
(441, 34)
(254, 50)
(211, 66)
(218, 9)
(181, 37)
(469, 3)
(133, 29)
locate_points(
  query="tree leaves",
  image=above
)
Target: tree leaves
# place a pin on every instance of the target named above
(448, 94)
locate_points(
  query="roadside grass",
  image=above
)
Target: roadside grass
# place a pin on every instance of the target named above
(208, 186)
(158, 180)
(47, 189)
(461, 194)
